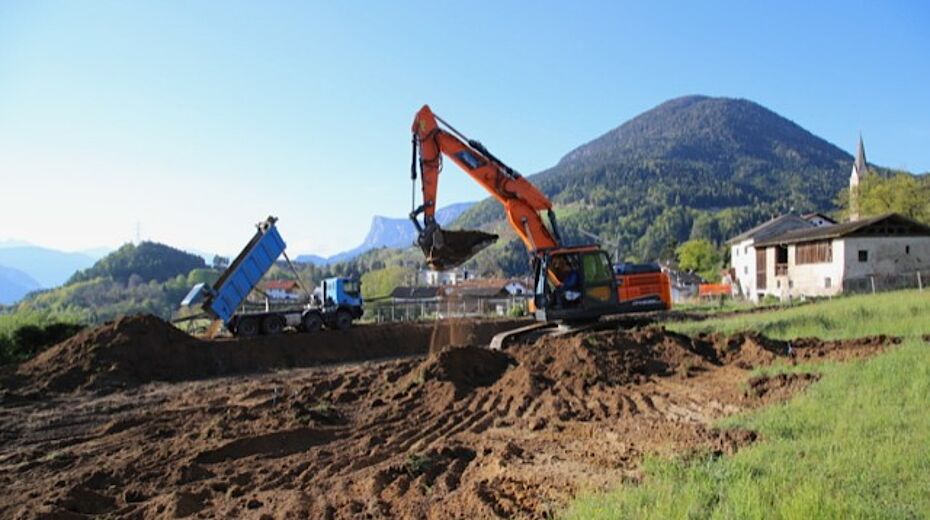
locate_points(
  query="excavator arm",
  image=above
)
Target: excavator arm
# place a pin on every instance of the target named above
(433, 138)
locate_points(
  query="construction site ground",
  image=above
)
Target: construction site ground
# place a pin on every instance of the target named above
(137, 419)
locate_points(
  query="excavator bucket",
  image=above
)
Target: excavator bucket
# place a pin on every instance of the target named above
(445, 249)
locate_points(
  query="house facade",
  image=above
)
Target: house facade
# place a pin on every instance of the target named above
(852, 256)
(282, 290)
(450, 277)
(744, 258)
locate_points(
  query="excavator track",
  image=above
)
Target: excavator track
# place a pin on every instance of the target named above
(532, 332)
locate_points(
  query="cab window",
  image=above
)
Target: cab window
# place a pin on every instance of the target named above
(597, 268)
(351, 288)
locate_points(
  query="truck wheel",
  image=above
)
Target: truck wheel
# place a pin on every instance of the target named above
(272, 325)
(247, 327)
(312, 322)
(343, 320)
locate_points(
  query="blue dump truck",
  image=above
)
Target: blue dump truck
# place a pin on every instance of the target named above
(338, 305)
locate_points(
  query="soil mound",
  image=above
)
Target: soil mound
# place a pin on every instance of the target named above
(779, 387)
(126, 351)
(466, 367)
(139, 349)
(812, 349)
(746, 349)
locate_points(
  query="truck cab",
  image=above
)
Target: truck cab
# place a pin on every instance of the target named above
(341, 301)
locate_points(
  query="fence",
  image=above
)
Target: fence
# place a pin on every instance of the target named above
(887, 282)
(389, 311)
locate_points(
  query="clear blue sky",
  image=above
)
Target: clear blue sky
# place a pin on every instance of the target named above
(197, 119)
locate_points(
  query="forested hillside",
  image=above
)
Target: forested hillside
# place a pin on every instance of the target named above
(148, 261)
(693, 167)
(145, 278)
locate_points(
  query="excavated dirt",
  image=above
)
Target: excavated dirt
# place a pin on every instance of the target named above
(780, 386)
(140, 349)
(463, 432)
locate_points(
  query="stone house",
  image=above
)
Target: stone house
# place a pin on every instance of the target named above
(743, 257)
(825, 261)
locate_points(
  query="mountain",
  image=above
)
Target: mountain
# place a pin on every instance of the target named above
(388, 232)
(48, 267)
(148, 260)
(692, 167)
(14, 284)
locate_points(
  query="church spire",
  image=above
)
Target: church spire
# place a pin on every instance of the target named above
(859, 169)
(861, 166)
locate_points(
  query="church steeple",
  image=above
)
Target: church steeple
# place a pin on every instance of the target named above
(859, 169)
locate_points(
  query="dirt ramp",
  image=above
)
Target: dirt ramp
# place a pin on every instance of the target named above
(140, 349)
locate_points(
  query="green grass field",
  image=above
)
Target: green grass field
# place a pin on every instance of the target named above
(854, 445)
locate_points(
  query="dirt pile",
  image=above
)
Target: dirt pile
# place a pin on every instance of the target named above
(462, 432)
(780, 386)
(140, 349)
(748, 350)
(133, 349)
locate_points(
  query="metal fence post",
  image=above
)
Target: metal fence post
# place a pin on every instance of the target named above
(872, 279)
(920, 282)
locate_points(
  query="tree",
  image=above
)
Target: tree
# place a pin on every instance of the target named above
(380, 283)
(701, 257)
(902, 193)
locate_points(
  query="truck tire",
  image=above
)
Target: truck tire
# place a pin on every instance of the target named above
(247, 327)
(272, 325)
(343, 320)
(312, 322)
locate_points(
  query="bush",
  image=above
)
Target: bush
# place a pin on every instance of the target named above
(28, 340)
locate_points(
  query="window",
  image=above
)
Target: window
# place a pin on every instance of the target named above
(351, 288)
(813, 253)
(596, 268)
(745, 269)
(863, 255)
(781, 260)
(907, 250)
(827, 282)
(791, 284)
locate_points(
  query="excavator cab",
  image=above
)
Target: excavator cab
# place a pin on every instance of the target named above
(574, 284)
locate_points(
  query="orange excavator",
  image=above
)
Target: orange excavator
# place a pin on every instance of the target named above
(572, 283)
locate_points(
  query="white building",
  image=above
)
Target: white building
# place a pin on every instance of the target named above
(856, 256)
(450, 277)
(743, 257)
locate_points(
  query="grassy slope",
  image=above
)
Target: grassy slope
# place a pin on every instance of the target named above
(855, 445)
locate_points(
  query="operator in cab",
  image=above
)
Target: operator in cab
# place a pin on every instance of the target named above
(569, 288)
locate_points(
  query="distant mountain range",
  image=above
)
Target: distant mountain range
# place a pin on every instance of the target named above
(388, 232)
(692, 167)
(14, 284)
(48, 267)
